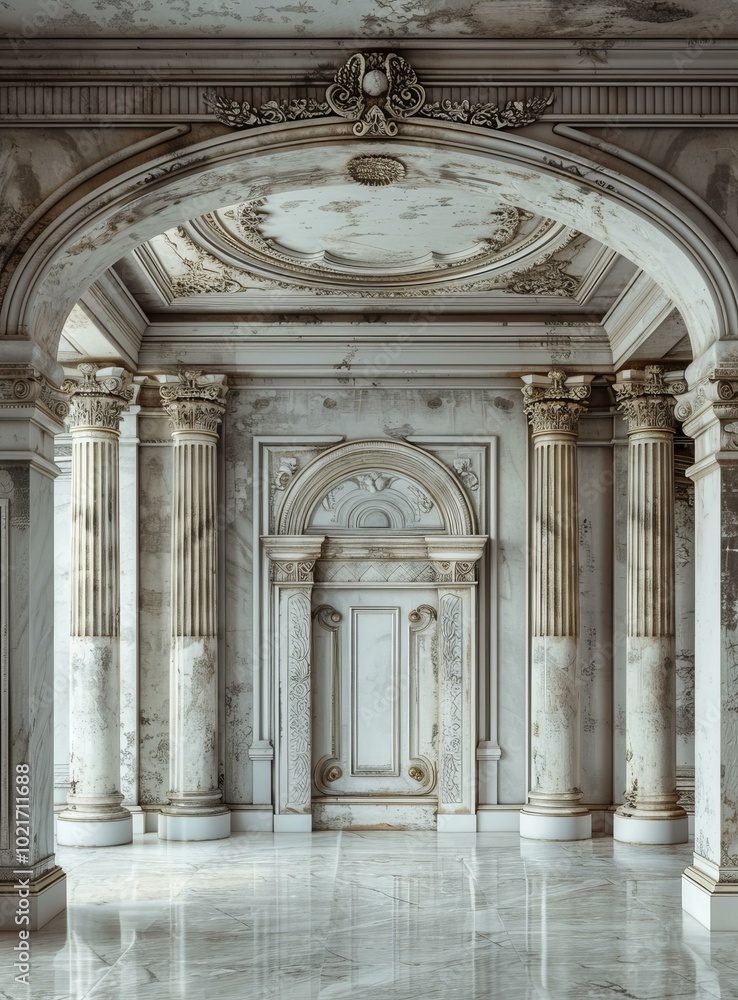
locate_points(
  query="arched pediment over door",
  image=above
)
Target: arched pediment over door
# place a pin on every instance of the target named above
(373, 571)
(401, 486)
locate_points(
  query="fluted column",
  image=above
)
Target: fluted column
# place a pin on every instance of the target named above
(94, 816)
(553, 404)
(650, 814)
(195, 811)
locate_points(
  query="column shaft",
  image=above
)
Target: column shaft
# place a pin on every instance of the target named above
(650, 813)
(554, 810)
(94, 816)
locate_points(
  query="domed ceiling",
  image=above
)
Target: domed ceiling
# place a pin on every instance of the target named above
(375, 227)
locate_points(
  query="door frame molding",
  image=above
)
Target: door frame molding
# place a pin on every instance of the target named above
(452, 554)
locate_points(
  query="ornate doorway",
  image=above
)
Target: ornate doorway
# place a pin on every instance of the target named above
(374, 604)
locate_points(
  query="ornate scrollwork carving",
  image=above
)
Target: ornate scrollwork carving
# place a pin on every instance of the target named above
(376, 90)
(326, 773)
(24, 386)
(556, 406)
(293, 572)
(454, 572)
(285, 472)
(195, 402)
(422, 616)
(547, 278)
(97, 402)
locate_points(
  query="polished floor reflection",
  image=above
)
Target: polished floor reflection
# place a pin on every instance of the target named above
(383, 915)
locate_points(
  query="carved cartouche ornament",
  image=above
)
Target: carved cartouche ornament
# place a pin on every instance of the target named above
(376, 90)
(646, 400)
(97, 402)
(555, 406)
(195, 403)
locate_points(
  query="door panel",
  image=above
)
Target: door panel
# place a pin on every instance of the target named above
(375, 700)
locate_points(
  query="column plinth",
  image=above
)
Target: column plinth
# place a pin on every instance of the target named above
(650, 814)
(195, 810)
(553, 405)
(94, 816)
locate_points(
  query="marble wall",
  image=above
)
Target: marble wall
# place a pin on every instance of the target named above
(154, 542)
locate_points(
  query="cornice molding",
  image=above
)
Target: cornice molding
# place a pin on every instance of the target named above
(453, 62)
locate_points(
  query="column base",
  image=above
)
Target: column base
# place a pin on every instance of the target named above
(450, 823)
(293, 822)
(74, 830)
(535, 826)
(713, 904)
(46, 898)
(214, 826)
(630, 829)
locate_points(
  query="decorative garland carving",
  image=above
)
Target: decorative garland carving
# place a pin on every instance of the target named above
(97, 402)
(646, 400)
(514, 114)
(241, 114)
(555, 407)
(376, 90)
(195, 403)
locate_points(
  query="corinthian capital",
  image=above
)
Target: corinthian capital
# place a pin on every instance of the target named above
(646, 399)
(554, 402)
(195, 402)
(97, 401)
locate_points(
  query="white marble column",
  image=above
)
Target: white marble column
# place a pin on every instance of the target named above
(650, 814)
(196, 810)
(709, 413)
(31, 414)
(553, 404)
(94, 816)
(291, 563)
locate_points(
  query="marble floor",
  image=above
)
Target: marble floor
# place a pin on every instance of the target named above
(391, 916)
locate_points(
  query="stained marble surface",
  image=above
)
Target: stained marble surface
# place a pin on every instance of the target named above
(380, 915)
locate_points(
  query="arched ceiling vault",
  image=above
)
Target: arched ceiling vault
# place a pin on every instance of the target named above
(303, 244)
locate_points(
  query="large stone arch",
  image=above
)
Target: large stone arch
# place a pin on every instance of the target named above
(637, 220)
